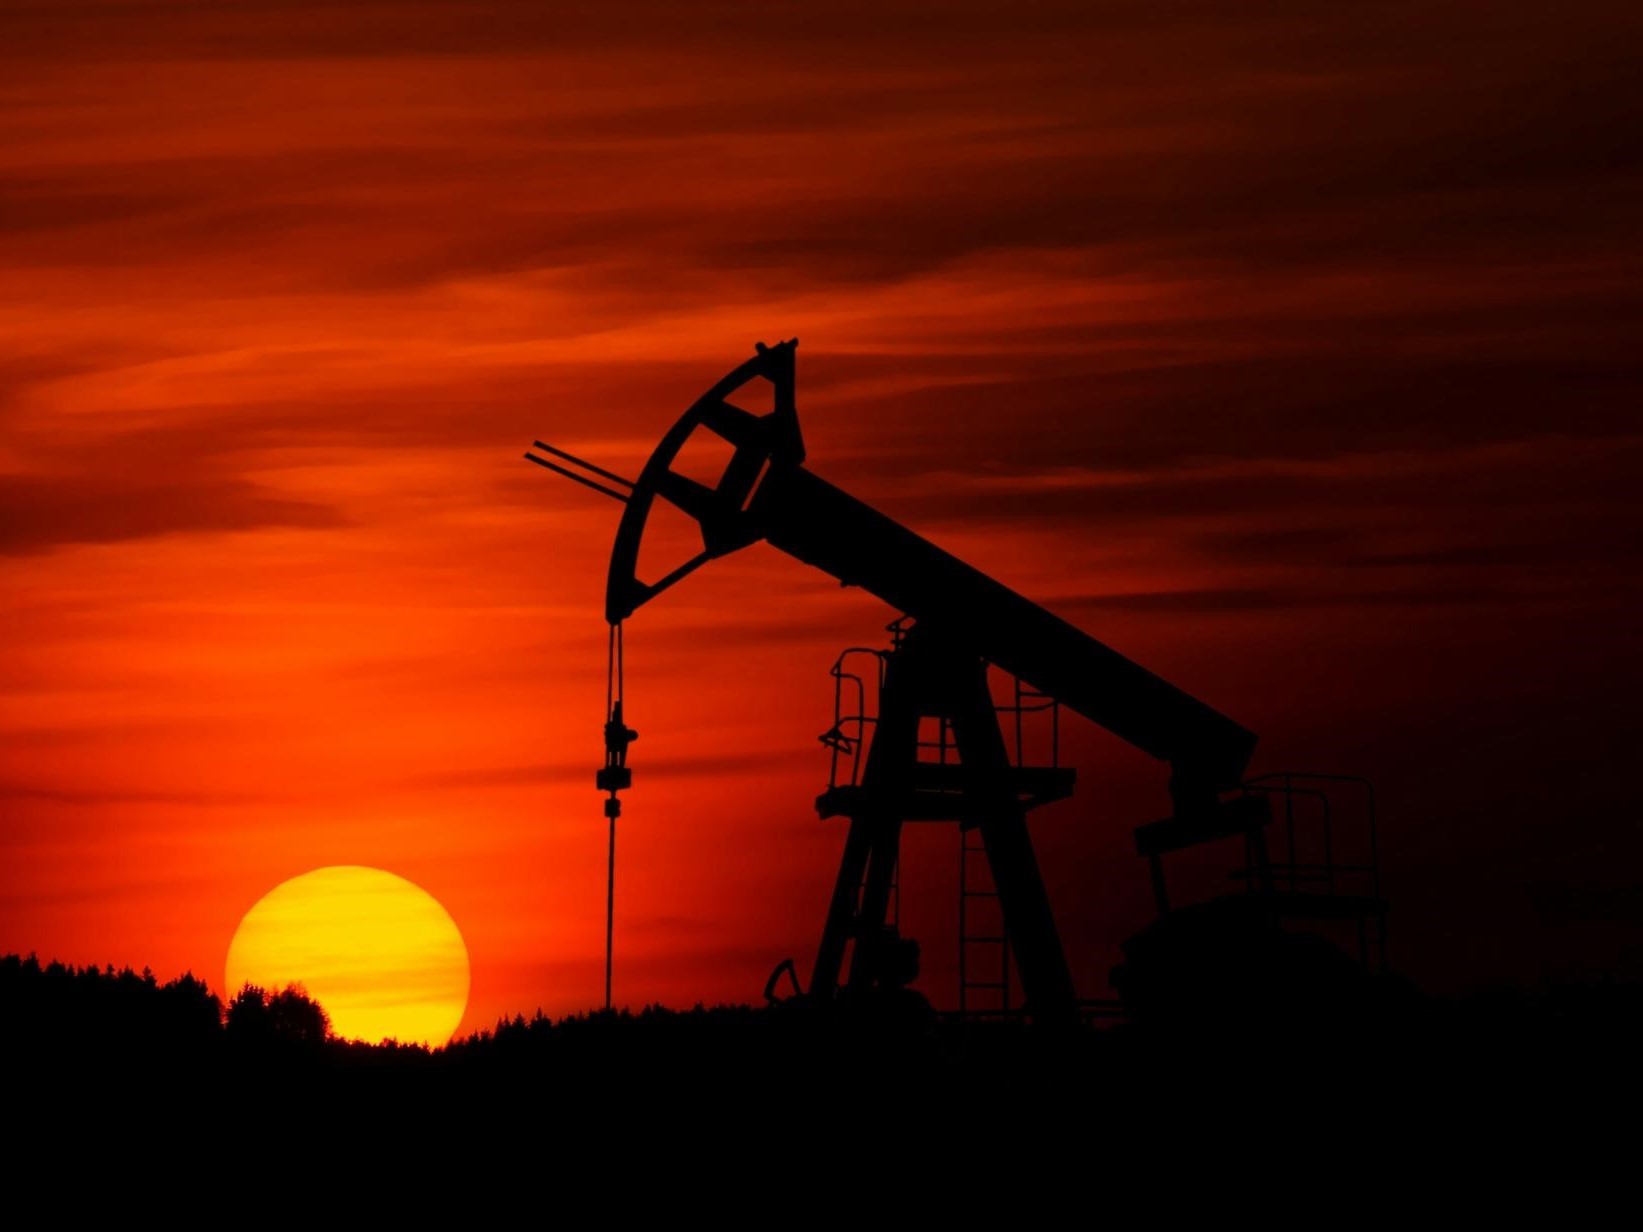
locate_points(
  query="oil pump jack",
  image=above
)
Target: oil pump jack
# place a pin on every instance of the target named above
(957, 621)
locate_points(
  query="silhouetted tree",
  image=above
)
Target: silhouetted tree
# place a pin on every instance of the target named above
(289, 1016)
(246, 1017)
(298, 1017)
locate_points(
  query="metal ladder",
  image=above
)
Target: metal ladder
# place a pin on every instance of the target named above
(983, 945)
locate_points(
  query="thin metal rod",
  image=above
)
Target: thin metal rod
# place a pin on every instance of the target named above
(585, 482)
(613, 698)
(585, 464)
(685, 570)
(610, 907)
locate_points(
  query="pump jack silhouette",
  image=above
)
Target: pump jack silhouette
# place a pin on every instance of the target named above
(957, 622)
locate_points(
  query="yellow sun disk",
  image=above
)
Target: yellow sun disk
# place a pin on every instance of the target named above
(378, 952)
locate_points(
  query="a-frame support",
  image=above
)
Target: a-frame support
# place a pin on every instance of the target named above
(927, 677)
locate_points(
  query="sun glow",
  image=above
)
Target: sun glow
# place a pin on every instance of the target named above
(379, 953)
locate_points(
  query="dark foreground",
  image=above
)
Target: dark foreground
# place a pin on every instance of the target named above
(115, 1060)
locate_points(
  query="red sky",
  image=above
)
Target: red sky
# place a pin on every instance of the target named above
(1290, 349)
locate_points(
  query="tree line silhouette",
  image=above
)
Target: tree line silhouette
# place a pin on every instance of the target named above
(121, 1025)
(57, 1006)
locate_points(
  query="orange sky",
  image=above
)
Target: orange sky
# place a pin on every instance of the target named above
(1292, 354)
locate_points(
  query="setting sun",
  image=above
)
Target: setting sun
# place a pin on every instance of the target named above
(379, 953)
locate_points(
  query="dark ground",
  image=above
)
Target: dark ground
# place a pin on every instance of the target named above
(97, 1050)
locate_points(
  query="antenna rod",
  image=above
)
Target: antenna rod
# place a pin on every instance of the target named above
(584, 464)
(581, 479)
